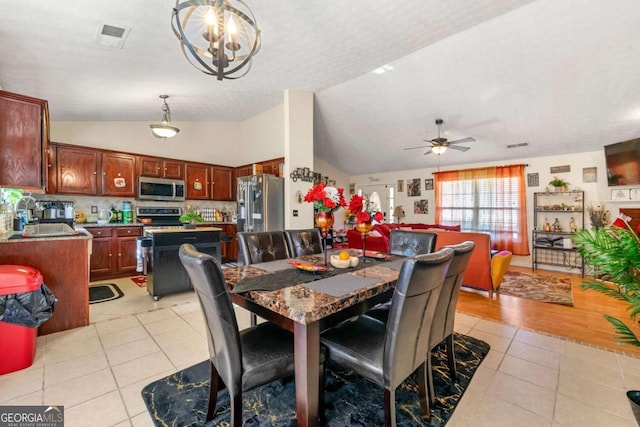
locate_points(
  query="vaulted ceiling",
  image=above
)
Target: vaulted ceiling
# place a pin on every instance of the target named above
(560, 76)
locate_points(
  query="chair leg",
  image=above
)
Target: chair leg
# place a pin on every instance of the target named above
(254, 319)
(236, 410)
(214, 386)
(389, 407)
(451, 358)
(429, 374)
(423, 394)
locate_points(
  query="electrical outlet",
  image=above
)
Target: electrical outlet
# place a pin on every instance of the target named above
(295, 212)
(94, 209)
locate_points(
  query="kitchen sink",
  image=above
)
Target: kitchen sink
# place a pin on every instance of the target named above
(46, 230)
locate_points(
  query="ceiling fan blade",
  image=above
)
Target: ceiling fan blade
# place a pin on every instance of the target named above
(455, 147)
(428, 152)
(458, 141)
(413, 148)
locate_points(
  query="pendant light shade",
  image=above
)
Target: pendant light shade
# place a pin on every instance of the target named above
(164, 130)
(218, 37)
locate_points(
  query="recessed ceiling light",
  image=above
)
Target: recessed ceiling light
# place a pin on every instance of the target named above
(383, 69)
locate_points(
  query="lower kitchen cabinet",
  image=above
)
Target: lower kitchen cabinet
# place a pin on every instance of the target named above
(229, 249)
(113, 251)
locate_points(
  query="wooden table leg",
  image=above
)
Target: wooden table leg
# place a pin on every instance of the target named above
(307, 359)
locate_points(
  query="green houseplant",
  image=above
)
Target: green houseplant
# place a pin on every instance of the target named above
(614, 253)
(559, 184)
(190, 218)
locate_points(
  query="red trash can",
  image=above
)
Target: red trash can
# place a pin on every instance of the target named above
(17, 343)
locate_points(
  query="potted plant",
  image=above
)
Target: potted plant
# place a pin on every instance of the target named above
(559, 184)
(190, 218)
(614, 254)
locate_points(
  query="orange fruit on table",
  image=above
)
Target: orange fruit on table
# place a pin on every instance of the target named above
(344, 255)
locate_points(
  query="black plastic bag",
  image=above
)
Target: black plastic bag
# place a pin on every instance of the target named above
(29, 309)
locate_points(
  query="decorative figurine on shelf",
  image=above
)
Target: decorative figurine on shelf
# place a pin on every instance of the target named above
(572, 225)
(556, 226)
(547, 226)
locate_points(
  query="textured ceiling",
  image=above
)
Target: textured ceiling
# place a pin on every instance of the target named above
(560, 75)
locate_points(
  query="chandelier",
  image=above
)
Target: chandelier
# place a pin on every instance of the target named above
(164, 130)
(218, 37)
(439, 149)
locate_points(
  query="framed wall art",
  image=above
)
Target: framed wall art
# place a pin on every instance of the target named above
(421, 207)
(620, 195)
(428, 184)
(413, 187)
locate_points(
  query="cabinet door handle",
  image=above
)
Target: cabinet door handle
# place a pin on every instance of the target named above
(119, 254)
(129, 231)
(110, 254)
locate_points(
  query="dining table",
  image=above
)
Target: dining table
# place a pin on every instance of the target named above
(305, 297)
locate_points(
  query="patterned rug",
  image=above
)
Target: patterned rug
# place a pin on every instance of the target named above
(350, 400)
(537, 288)
(140, 281)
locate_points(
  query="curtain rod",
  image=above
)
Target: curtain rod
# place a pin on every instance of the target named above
(485, 167)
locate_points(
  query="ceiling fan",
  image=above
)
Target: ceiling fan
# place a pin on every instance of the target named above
(440, 145)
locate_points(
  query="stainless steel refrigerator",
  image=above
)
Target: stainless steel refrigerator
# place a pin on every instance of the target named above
(260, 203)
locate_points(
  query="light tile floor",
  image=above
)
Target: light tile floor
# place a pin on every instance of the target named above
(97, 372)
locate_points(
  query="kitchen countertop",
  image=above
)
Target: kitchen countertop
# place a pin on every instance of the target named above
(139, 224)
(156, 230)
(7, 237)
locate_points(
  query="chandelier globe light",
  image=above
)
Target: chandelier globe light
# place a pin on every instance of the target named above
(164, 130)
(439, 149)
(218, 37)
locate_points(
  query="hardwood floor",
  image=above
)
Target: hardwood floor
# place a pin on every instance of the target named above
(583, 322)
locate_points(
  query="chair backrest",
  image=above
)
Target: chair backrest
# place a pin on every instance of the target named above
(304, 242)
(222, 328)
(263, 246)
(412, 308)
(444, 318)
(411, 243)
(500, 263)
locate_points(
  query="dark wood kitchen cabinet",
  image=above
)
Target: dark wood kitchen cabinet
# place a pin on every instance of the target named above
(198, 180)
(222, 183)
(75, 171)
(118, 174)
(89, 171)
(229, 249)
(24, 139)
(160, 168)
(114, 251)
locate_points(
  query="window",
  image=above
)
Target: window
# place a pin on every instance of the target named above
(490, 200)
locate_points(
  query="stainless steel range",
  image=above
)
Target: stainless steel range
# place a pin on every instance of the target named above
(159, 216)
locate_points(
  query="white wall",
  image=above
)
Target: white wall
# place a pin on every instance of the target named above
(261, 137)
(207, 142)
(342, 181)
(595, 193)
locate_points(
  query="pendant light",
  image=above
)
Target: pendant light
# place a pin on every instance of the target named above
(164, 130)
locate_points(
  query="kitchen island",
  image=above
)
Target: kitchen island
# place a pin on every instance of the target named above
(64, 265)
(166, 274)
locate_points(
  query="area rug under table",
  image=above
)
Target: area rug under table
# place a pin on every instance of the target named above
(350, 400)
(537, 288)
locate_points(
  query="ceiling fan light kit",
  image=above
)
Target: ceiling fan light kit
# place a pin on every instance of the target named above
(440, 145)
(164, 130)
(218, 37)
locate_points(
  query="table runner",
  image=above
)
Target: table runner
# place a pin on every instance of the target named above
(338, 286)
(292, 276)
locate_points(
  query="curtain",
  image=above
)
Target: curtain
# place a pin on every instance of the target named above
(490, 199)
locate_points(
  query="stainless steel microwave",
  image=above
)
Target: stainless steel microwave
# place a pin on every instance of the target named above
(169, 190)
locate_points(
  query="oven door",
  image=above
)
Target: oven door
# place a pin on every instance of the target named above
(160, 189)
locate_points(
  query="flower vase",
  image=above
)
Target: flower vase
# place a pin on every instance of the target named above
(364, 228)
(324, 221)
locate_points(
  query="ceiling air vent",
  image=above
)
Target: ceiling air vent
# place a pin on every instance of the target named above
(519, 145)
(111, 36)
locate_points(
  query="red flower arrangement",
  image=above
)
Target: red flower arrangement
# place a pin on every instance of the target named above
(325, 198)
(364, 209)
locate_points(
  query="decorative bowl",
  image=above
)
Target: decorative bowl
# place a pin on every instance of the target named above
(340, 263)
(353, 261)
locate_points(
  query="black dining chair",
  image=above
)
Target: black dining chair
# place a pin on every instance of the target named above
(304, 242)
(261, 246)
(242, 360)
(411, 243)
(444, 318)
(387, 353)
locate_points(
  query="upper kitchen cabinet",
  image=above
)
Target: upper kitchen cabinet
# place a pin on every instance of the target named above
(222, 183)
(24, 139)
(272, 166)
(160, 168)
(118, 175)
(92, 172)
(76, 170)
(198, 181)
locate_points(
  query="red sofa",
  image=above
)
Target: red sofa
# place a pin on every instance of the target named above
(378, 239)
